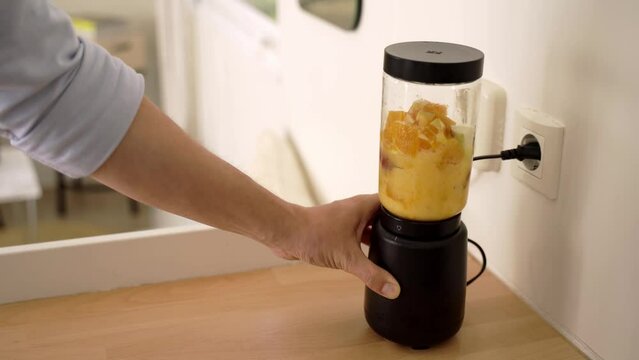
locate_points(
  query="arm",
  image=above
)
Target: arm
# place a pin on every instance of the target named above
(158, 164)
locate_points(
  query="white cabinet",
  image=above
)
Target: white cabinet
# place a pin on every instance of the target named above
(239, 82)
(128, 259)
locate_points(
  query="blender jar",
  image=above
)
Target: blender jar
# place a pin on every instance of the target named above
(429, 110)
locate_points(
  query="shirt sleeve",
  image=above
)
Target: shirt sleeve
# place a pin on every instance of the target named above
(64, 101)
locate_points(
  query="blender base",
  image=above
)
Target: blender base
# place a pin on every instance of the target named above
(432, 274)
(420, 347)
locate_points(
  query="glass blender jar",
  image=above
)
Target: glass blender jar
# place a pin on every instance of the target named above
(429, 108)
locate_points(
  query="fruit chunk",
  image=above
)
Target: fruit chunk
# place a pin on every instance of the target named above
(425, 126)
(424, 144)
(425, 117)
(400, 133)
(452, 153)
(395, 116)
(388, 133)
(419, 105)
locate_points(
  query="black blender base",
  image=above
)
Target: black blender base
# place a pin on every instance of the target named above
(410, 338)
(420, 347)
(429, 262)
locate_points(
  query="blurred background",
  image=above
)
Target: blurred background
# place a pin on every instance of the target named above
(216, 68)
(158, 39)
(49, 206)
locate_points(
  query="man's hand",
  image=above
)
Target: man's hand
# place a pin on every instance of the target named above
(330, 236)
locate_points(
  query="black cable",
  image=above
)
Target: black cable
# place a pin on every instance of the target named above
(531, 150)
(484, 157)
(483, 262)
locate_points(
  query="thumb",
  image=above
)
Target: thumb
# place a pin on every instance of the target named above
(375, 278)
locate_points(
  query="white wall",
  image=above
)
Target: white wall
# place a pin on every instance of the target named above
(333, 91)
(239, 83)
(573, 258)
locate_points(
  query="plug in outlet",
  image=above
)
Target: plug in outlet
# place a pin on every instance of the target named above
(543, 175)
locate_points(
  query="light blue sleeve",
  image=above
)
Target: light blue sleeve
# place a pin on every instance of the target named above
(64, 101)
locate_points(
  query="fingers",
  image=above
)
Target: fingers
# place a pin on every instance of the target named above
(283, 254)
(366, 235)
(375, 278)
(368, 205)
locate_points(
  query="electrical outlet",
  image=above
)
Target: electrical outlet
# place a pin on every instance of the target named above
(543, 175)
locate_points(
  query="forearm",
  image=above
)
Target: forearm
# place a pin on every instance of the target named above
(158, 164)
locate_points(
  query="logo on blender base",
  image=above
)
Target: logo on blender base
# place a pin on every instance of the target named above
(433, 52)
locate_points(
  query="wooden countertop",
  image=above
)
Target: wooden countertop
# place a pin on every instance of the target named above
(291, 312)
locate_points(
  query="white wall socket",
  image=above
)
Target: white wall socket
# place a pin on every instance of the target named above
(549, 132)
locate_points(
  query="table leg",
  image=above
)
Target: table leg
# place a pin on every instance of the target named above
(134, 207)
(32, 221)
(61, 199)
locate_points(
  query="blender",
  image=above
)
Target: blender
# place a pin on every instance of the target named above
(429, 109)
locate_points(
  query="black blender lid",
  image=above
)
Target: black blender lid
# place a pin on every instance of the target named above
(433, 62)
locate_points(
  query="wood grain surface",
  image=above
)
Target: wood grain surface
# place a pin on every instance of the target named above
(290, 312)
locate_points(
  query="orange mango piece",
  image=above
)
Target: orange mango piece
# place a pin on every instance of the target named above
(419, 105)
(424, 144)
(448, 121)
(432, 129)
(453, 152)
(398, 133)
(424, 117)
(406, 140)
(394, 116)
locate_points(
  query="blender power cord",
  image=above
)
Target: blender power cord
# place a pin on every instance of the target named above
(483, 262)
(530, 150)
(522, 152)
